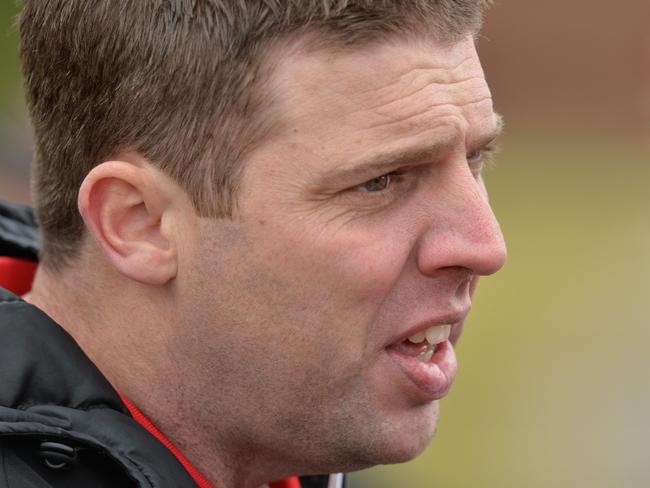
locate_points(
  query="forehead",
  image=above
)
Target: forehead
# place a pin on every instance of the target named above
(392, 94)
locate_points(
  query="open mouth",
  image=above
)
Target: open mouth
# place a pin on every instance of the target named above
(427, 362)
(423, 345)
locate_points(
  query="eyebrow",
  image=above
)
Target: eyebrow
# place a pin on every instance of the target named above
(485, 139)
(388, 161)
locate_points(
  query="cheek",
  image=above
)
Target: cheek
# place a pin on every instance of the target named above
(345, 274)
(315, 298)
(361, 267)
(281, 292)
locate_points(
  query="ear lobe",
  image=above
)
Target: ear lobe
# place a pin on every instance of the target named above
(124, 209)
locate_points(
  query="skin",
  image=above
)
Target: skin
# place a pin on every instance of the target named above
(362, 216)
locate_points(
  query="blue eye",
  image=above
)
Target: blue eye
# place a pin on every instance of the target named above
(376, 184)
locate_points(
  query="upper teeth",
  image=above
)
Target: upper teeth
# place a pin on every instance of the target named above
(433, 335)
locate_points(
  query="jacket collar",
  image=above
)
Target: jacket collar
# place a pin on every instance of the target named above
(19, 236)
(50, 388)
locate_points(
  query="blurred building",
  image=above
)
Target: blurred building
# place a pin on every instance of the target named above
(587, 60)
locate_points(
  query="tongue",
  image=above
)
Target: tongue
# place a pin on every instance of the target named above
(411, 349)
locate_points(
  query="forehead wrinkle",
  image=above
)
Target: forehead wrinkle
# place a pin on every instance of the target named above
(351, 92)
(431, 85)
(459, 90)
(449, 133)
(452, 105)
(418, 78)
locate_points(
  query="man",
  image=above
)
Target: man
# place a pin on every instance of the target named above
(262, 222)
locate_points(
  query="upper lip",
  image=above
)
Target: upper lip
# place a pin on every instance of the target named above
(451, 318)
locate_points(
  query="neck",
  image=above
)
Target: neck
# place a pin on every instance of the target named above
(127, 331)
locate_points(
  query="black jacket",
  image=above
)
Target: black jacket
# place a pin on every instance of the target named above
(61, 423)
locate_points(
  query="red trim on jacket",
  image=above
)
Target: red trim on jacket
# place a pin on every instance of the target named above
(16, 275)
(200, 480)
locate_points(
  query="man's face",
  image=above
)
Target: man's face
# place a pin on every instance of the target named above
(363, 220)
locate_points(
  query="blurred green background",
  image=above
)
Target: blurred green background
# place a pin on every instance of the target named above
(554, 382)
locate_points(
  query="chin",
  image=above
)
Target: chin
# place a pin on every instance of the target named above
(406, 449)
(391, 452)
(397, 440)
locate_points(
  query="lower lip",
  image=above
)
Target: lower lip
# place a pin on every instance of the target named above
(431, 380)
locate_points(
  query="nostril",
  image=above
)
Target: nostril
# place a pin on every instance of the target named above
(463, 290)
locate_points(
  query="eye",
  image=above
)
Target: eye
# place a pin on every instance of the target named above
(376, 184)
(386, 188)
(475, 160)
(475, 157)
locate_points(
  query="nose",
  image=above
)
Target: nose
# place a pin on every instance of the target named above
(462, 231)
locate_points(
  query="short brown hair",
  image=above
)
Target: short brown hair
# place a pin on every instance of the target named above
(178, 81)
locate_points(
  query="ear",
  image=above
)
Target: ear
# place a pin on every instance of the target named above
(126, 208)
